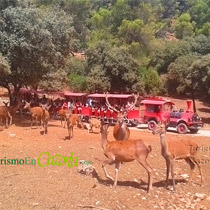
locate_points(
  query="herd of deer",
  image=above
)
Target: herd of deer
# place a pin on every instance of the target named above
(123, 149)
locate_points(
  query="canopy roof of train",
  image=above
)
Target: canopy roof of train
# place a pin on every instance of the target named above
(100, 95)
(68, 93)
(156, 101)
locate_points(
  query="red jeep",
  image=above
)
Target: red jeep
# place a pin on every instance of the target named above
(158, 109)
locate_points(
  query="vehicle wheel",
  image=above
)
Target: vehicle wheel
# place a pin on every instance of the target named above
(152, 125)
(194, 130)
(182, 128)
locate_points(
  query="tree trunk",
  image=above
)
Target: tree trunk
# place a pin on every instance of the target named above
(13, 95)
(193, 99)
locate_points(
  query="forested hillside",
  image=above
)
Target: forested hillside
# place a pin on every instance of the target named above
(146, 46)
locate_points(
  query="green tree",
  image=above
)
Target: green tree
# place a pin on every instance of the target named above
(33, 48)
(184, 27)
(80, 10)
(98, 80)
(167, 54)
(76, 66)
(199, 78)
(120, 11)
(101, 19)
(200, 45)
(205, 30)
(116, 65)
(152, 81)
(181, 77)
(147, 13)
(54, 81)
(178, 72)
(170, 8)
(136, 31)
(4, 66)
(77, 82)
(200, 12)
(131, 31)
(8, 3)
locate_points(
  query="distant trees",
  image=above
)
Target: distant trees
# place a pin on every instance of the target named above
(4, 67)
(116, 65)
(35, 44)
(130, 45)
(184, 26)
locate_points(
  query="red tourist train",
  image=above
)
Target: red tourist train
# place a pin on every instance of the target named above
(148, 111)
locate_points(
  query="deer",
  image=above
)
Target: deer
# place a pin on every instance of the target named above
(38, 113)
(121, 132)
(5, 115)
(73, 120)
(93, 122)
(125, 151)
(64, 113)
(12, 109)
(45, 117)
(177, 150)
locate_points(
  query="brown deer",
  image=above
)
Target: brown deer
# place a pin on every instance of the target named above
(64, 114)
(93, 123)
(125, 151)
(45, 117)
(5, 115)
(177, 150)
(121, 132)
(38, 113)
(12, 109)
(73, 120)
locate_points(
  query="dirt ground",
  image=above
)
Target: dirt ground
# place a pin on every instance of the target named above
(61, 187)
(25, 187)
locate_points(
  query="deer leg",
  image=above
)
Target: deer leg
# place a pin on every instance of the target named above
(72, 131)
(109, 161)
(194, 160)
(46, 125)
(82, 125)
(149, 172)
(88, 128)
(192, 167)
(172, 174)
(31, 121)
(6, 122)
(69, 130)
(10, 119)
(36, 122)
(41, 123)
(168, 164)
(117, 168)
(64, 123)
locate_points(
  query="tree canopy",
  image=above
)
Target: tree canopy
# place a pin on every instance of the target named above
(129, 45)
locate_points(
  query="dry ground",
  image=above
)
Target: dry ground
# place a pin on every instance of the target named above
(28, 187)
(61, 187)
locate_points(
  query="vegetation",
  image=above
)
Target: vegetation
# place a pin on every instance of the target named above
(130, 45)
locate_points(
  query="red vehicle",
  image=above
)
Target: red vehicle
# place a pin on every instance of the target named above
(157, 109)
(154, 110)
(100, 109)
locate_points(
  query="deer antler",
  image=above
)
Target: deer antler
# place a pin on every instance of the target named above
(135, 101)
(109, 105)
(6, 103)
